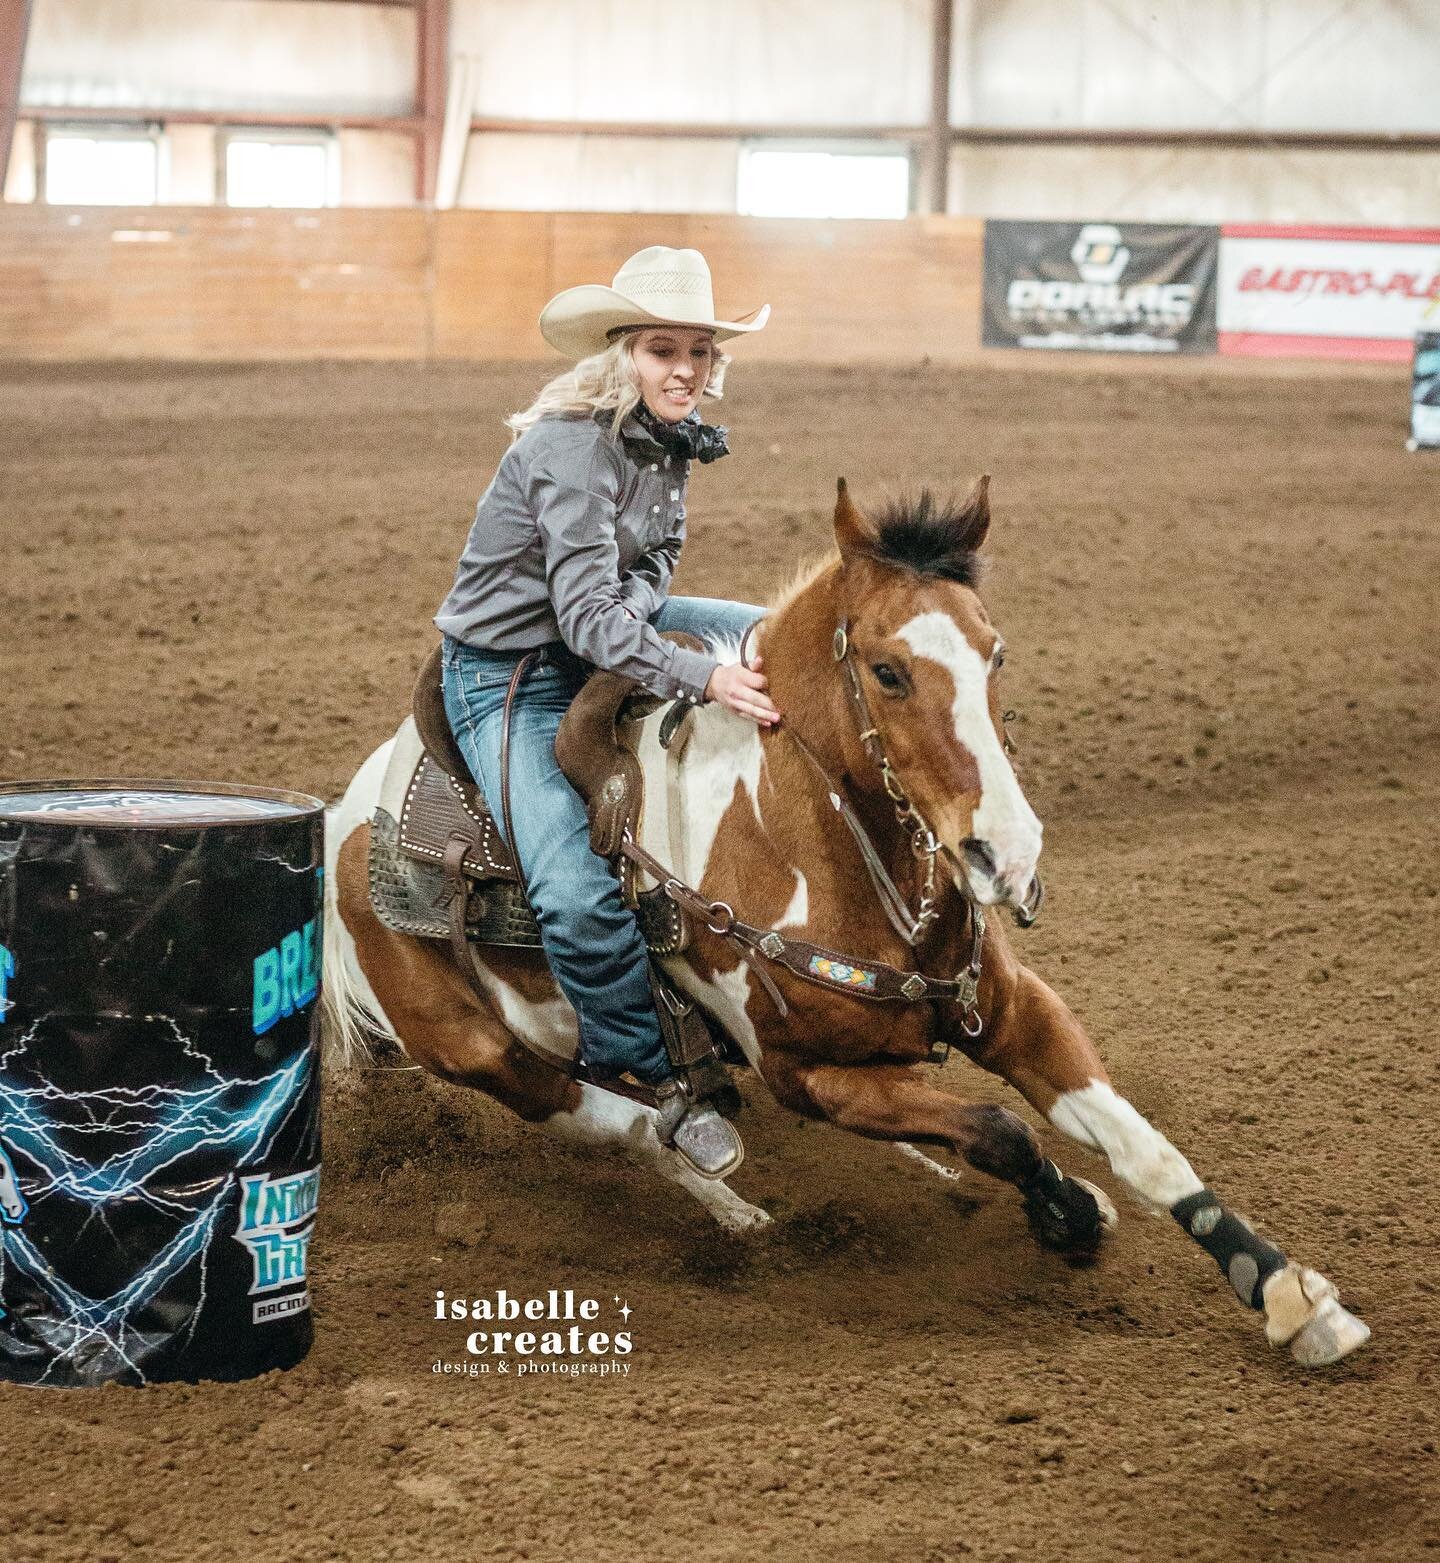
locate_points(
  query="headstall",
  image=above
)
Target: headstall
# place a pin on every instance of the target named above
(869, 979)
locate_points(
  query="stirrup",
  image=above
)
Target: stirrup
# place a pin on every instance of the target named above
(691, 1048)
(696, 1132)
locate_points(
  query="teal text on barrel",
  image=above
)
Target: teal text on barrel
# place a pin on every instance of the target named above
(287, 976)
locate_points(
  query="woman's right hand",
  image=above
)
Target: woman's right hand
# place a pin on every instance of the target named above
(742, 690)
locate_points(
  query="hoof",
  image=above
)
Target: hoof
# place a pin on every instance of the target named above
(1331, 1335)
(749, 1222)
(1302, 1311)
(1109, 1216)
(1068, 1219)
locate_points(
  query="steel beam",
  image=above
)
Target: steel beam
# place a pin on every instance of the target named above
(914, 135)
(728, 132)
(14, 30)
(936, 192)
(398, 5)
(409, 124)
(984, 135)
(432, 71)
(1244, 139)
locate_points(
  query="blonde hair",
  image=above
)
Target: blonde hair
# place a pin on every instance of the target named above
(605, 382)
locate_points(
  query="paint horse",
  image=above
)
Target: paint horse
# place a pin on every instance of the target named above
(891, 766)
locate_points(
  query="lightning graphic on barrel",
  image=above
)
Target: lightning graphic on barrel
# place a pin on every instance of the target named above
(108, 1150)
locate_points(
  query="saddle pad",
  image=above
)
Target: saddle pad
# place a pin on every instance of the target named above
(411, 895)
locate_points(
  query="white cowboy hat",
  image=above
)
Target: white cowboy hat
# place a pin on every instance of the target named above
(658, 286)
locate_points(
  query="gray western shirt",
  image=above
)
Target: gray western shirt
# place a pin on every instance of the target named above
(576, 527)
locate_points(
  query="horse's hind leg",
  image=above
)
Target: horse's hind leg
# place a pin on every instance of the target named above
(443, 1026)
(1033, 1040)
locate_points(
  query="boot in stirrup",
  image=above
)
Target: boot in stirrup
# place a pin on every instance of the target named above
(696, 1132)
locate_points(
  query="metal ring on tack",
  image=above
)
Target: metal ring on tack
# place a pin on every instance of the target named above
(965, 1020)
(729, 911)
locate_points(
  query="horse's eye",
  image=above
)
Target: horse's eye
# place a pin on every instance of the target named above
(998, 660)
(887, 677)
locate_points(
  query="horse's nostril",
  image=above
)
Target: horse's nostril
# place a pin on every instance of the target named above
(979, 856)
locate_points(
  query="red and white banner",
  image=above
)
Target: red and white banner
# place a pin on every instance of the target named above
(1326, 292)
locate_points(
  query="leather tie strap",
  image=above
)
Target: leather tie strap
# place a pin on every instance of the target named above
(892, 902)
(459, 888)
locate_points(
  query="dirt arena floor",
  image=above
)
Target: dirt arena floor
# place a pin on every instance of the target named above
(1220, 591)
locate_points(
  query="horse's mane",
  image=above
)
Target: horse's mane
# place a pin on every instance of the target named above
(929, 536)
(804, 573)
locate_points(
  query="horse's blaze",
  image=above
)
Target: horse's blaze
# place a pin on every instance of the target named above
(1000, 815)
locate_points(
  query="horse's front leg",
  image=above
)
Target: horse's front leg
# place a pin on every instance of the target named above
(1033, 1041)
(894, 1102)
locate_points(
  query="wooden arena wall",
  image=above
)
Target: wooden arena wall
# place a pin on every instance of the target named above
(215, 283)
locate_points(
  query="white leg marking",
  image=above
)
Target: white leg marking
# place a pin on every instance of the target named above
(1102, 1120)
(605, 1119)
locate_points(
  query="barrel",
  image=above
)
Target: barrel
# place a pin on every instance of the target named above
(160, 947)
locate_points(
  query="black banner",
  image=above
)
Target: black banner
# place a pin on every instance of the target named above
(1107, 287)
(1425, 393)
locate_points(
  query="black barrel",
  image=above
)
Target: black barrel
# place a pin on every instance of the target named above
(160, 947)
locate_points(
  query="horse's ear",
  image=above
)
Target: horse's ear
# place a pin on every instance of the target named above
(973, 521)
(852, 535)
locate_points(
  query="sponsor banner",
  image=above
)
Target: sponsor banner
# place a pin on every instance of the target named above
(1101, 287)
(1326, 292)
(1425, 393)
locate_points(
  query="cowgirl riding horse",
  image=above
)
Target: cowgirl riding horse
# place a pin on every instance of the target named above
(570, 556)
(886, 662)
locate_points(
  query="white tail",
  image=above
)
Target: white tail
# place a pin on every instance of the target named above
(350, 1014)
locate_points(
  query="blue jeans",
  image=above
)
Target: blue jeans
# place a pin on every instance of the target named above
(590, 937)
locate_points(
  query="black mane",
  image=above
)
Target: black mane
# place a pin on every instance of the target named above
(930, 536)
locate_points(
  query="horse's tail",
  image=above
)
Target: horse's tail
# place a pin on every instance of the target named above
(350, 1020)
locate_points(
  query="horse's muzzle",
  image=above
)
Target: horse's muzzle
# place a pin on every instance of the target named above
(990, 888)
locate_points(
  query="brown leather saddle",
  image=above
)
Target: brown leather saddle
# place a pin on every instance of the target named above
(446, 821)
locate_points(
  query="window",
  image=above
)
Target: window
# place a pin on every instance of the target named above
(776, 182)
(268, 170)
(99, 168)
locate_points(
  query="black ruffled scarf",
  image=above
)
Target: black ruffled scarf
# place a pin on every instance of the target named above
(691, 438)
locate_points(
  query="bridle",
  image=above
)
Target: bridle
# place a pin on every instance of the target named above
(911, 926)
(926, 846)
(868, 978)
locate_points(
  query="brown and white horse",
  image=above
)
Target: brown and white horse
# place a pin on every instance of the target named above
(749, 819)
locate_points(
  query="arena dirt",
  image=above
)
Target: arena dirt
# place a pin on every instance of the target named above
(1220, 593)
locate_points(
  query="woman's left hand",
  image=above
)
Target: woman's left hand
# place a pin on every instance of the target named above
(742, 689)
